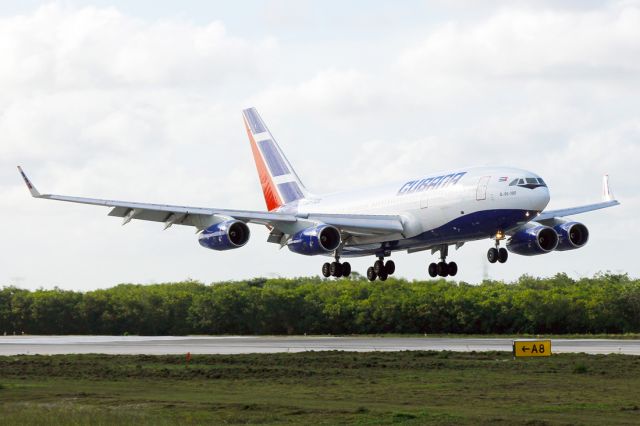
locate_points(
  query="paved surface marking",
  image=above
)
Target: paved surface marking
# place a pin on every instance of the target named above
(163, 345)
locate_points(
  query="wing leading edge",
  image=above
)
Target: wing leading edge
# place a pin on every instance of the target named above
(608, 200)
(202, 217)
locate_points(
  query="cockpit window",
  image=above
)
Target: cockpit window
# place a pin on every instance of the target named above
(530, 182)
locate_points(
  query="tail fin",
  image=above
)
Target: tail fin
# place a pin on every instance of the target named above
(280, 183)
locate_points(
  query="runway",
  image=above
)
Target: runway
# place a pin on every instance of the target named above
(164, 345)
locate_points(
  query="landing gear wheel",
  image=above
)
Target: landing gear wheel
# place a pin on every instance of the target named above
(346, 269)
(326, 271)
(390, 267)
(433, 270)
(503, 255)
(371, 274)
(378, 267)
(452, 269)
(336, 269)
(383, 276)
(442, 269)
(492, 255)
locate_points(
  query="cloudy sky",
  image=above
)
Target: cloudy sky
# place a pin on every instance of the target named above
(141, 101)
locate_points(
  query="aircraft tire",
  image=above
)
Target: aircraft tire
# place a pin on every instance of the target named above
(346, 269)
(390, 267)
(433, 270)
(503, 255)
(442, 269)
(492, 255)
(378, 267)
(371, 274)
(335, 269)
(383, 276)
(452, 269)
(326, 271)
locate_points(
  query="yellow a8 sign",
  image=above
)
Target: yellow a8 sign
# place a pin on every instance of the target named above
(531, 347)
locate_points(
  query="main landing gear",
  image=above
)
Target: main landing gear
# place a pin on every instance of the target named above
(381, 270)
(336, 269)
(443, 268)
(497, 253)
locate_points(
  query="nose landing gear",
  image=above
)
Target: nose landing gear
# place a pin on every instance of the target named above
(497, 253)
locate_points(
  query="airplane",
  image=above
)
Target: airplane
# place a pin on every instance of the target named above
(433, 212)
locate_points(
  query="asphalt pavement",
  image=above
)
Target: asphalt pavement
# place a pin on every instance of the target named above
(163, 345)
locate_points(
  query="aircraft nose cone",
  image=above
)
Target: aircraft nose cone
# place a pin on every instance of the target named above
(541, 198)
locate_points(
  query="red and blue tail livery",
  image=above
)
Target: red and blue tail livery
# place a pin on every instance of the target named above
(280, 184)
(428, 213)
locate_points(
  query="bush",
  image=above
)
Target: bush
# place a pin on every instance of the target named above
(605, 303)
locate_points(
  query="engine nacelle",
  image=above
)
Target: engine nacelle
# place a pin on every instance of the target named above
(535, 240)
(571, 235)
(321, 239)
(225, 235)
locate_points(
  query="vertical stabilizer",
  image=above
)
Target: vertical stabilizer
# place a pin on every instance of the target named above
(280, 183)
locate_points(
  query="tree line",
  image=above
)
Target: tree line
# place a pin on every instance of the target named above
(605, 303)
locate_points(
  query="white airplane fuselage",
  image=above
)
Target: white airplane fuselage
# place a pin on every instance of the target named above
(478, 205)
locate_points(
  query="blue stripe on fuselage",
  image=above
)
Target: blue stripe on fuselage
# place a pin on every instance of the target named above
(469, 227)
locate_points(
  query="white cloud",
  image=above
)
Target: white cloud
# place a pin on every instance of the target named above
(58, 48)
(533, 42)
(99, 103)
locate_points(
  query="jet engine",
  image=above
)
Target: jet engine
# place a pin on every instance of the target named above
(321, 239)
(571, 235)
(225, 235)
(537, 239)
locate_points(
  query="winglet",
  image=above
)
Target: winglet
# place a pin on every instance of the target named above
(606, 192)
(32, 189)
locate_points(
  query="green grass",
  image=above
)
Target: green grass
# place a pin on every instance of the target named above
(320, 388)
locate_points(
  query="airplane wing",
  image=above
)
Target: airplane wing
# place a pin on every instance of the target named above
(607, 201)
(202, 217)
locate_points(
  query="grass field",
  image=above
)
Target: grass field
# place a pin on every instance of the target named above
(320, 388)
